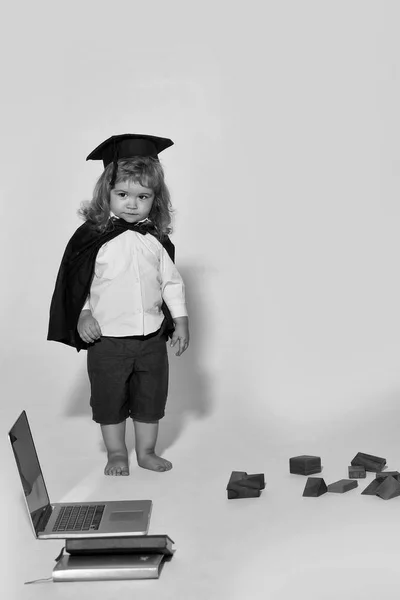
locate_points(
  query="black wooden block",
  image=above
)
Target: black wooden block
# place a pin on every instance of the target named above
(389, 488)
(372, 488)
(242, 485)
(235, 476)
(357, 472)
(255, 481)
(343, 485)
(305, 465)
(238, 491)
(315, 487)
(394, 474)
(370, 462)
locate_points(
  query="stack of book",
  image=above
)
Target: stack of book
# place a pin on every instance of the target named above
(98, 559)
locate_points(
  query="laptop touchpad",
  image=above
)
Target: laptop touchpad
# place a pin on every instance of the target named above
(131, 515)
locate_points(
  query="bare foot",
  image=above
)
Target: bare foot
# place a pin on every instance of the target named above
(117, 464)
(153, 462)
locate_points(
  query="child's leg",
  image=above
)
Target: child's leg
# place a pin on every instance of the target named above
(145, 444)
(114, 439)
(108, 376)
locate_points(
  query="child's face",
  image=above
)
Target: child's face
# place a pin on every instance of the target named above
(131, 201)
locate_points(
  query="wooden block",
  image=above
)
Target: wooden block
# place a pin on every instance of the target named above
(343, 485)
(357, 472)
(238, 491)
(235, 476)
(256, 481)
(315, 487)
(370, 462)
(372, 488)
(305, 465)
(394, 474)
(389, 488)
(242, 485)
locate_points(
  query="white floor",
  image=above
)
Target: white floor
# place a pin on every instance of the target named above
(278, 546)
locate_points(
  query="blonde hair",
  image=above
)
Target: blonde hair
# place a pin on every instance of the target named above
(149, 173)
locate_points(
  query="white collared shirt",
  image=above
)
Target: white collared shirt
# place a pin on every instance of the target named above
(133, 274)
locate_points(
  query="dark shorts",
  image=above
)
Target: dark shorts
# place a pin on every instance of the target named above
(128, 378)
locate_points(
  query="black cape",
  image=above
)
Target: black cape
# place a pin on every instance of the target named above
(75, 277)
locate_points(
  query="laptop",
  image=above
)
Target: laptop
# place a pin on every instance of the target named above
(73, 519)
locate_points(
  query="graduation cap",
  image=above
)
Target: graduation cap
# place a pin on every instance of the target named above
(128, 145)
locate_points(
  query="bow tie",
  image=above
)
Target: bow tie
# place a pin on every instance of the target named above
(142, 228)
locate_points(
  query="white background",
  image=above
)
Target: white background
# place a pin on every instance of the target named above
(285, 177)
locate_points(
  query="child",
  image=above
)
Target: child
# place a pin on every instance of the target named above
(119, 295)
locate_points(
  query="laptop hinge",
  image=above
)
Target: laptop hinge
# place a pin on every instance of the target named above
(41, 517)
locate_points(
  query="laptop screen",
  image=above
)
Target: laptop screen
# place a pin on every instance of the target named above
(28, 466)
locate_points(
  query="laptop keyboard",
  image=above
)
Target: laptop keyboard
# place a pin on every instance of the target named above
(79, 517)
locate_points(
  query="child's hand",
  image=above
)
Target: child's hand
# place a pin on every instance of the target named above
(88, 328)
(181, 334)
